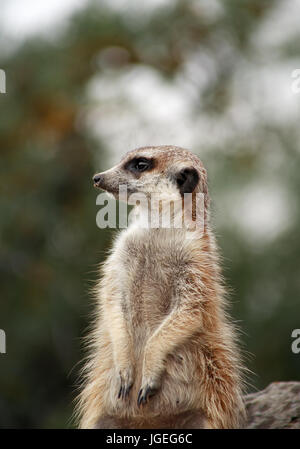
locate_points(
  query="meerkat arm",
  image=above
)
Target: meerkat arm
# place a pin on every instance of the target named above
(177, 328)
(121, 346)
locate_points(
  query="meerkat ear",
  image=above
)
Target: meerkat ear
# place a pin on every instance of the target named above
(187, 180)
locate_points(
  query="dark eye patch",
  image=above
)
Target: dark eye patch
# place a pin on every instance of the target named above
(187, 180)
(139, 164)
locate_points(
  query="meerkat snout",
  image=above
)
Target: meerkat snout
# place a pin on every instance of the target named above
(97, 180)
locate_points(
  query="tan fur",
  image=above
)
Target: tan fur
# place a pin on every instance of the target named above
(161, 321)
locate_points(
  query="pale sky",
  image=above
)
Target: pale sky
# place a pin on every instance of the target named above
(20, 18)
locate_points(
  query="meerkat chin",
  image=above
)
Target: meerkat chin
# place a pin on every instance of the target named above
(163, 351)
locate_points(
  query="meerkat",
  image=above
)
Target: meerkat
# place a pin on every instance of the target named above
(163, 350)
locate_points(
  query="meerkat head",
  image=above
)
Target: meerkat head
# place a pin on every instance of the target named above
(167, 171)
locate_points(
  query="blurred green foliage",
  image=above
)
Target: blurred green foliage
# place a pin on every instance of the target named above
(50, 245)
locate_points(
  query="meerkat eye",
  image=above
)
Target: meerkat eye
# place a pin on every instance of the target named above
(139, 164)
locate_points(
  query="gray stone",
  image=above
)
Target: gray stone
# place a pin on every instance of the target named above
(275, 407)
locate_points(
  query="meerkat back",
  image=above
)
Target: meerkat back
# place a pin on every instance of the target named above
(162, 353)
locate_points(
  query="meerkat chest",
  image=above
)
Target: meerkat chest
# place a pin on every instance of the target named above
(151, 266)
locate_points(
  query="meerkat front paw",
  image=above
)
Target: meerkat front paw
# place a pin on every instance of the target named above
(148, 389)
(152, 370)
(125, 382)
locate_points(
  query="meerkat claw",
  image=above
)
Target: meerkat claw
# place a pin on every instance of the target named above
(126, 383)
(124, 391)
(145, 394)
(127, 390)
(120, 392)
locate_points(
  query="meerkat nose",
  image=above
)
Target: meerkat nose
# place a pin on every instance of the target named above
(97, 180)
